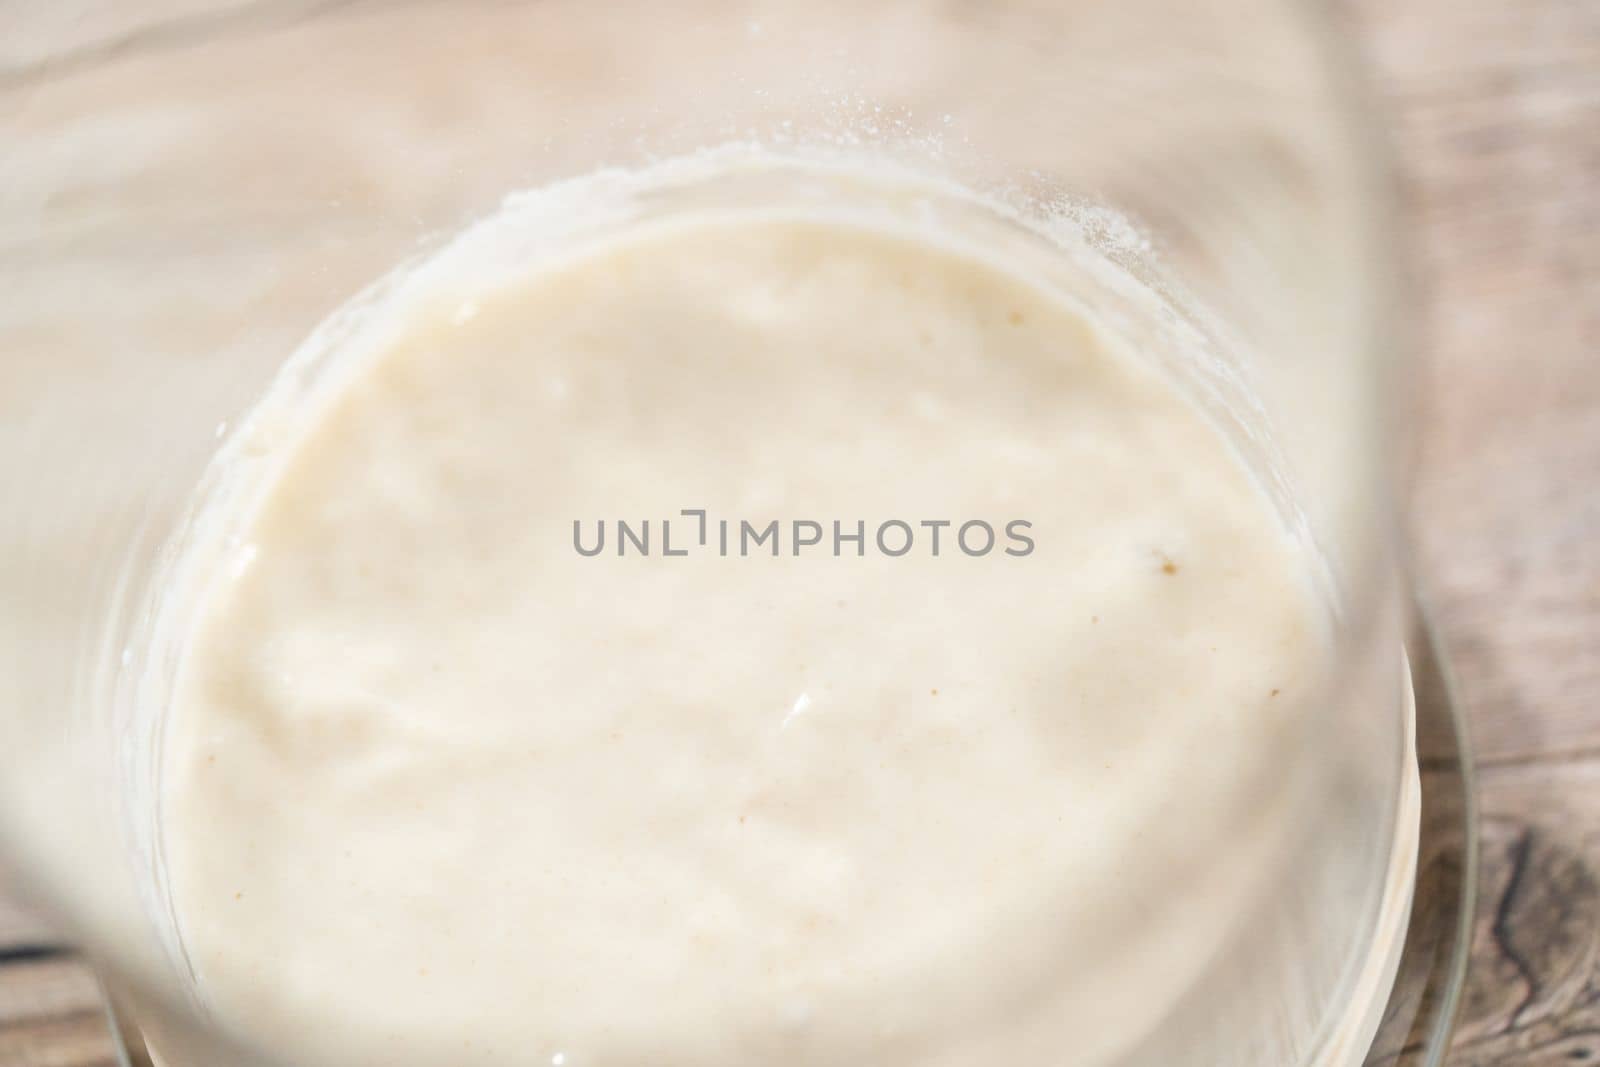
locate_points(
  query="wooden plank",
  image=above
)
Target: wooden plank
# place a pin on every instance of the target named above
(50, 988)
(52, 1012)
(1495, 109)
(1496, 119)
(21, 930)
(76, 1041)
(1533, 995)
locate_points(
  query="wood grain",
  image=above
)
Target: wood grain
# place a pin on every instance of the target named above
(1496, 121)
(1496, 112)
(1494, 108)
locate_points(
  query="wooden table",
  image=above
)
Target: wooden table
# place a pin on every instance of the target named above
(1495, 112)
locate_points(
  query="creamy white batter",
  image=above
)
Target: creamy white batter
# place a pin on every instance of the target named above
(442, 790)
